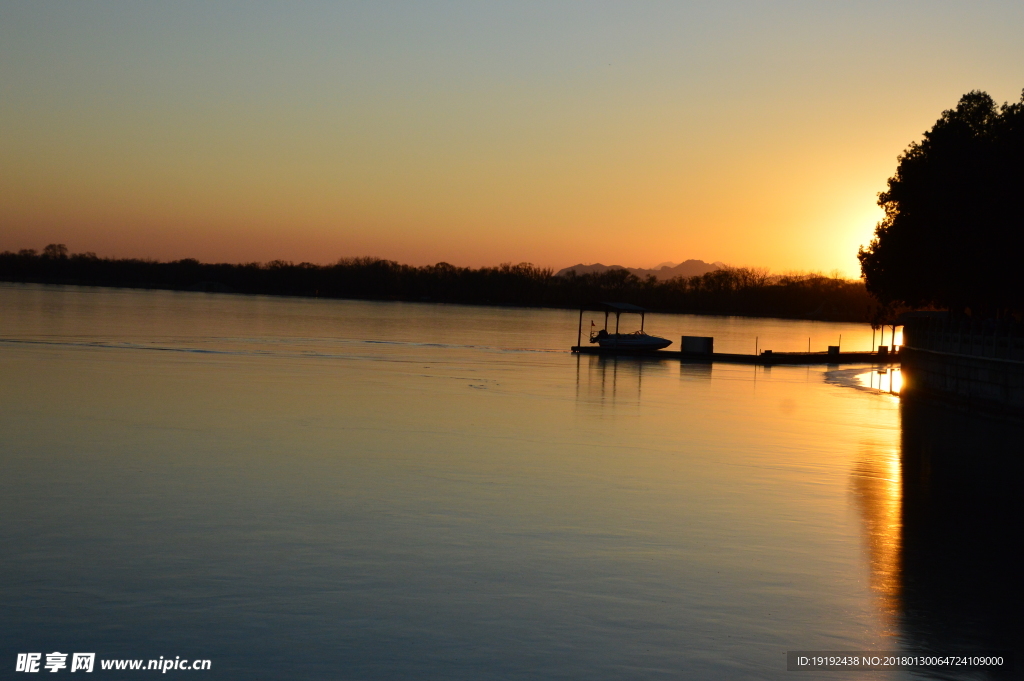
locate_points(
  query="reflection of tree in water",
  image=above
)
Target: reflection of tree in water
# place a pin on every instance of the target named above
(877, 486)
(962, 516)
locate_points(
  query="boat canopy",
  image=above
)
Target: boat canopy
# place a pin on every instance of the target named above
(615, 307)
(610, 308)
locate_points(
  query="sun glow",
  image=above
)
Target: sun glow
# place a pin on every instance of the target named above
(886, 380)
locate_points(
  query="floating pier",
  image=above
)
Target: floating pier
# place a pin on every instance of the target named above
(767, 358)
(702, 348)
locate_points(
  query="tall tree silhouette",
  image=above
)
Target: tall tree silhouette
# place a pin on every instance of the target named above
(953, 232)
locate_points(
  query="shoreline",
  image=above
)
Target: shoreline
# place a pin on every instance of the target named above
(423, 300)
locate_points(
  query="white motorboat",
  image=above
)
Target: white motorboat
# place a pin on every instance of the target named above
(638, 340)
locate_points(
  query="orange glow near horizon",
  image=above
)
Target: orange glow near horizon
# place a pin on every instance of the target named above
(476, 136)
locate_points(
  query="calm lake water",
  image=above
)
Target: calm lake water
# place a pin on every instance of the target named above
(323, 489)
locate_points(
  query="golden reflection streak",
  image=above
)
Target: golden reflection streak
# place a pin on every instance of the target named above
(896, 381)
(878, 486)
(883, 380)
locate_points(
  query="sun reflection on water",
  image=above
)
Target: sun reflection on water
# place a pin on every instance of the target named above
(887, 380)
(878, 486)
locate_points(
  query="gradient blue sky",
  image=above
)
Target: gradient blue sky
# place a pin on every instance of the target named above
(754, 133)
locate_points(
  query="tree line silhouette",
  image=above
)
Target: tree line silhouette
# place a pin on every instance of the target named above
(953, 232)
(728, 291)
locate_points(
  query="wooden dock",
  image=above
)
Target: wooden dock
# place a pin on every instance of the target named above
(765, 358)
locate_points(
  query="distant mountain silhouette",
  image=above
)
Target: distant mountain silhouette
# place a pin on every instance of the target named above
(665, 271)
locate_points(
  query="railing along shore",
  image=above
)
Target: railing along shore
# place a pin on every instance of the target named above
(989, 339)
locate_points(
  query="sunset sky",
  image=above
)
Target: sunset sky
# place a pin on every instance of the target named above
(754, 133)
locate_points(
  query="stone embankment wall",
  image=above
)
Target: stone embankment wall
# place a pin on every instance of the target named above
(977, 365)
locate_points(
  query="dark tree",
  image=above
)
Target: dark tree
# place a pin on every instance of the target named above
(56, 251)
(953, 232)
